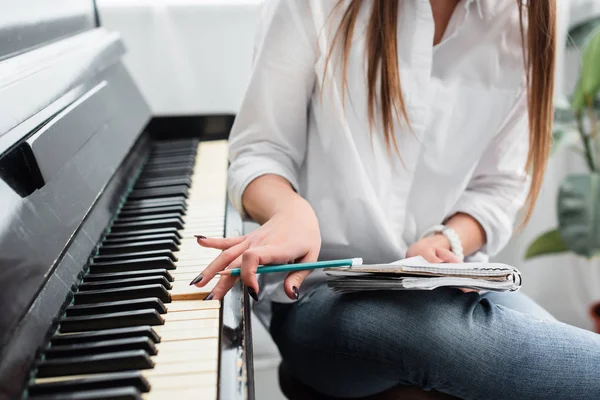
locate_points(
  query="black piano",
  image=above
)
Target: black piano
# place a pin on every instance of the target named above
(99, 204)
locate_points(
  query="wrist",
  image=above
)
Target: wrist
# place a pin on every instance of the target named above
(440, 241)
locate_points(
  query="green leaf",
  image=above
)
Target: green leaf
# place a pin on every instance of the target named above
(580, 32)
(548, 243)
(579, 213)
(589, 78)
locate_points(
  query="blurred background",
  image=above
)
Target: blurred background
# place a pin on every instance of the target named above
(194, 57)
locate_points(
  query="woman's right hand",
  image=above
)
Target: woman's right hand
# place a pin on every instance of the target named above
(290, 235)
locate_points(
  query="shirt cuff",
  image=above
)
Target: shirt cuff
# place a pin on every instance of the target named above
(494, 218)
(243, 171)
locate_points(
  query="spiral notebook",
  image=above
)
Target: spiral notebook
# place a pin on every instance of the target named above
(416, 273)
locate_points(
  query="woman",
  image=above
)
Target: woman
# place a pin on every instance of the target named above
(386, 129)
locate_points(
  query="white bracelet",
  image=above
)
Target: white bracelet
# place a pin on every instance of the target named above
(451, 235)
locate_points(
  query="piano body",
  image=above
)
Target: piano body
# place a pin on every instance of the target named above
(99, 203)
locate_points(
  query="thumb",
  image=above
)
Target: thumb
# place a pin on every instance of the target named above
(294, 280)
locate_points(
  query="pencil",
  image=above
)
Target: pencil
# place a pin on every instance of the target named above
(264, 269)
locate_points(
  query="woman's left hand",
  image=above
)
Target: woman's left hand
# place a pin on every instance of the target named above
(435, 249)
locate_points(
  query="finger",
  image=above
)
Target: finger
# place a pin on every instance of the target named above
(225, 284)
(430, 256)
(219, 243)
(294, 280)
(221, 262)
(469, 290)
(256, 256)
(447, 256)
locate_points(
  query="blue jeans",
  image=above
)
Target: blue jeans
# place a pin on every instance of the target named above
(492, 346)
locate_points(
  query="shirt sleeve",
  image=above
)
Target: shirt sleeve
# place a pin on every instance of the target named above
(500, 183)
(269, 134)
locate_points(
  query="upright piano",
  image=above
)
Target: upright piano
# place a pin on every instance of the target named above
(99, 204)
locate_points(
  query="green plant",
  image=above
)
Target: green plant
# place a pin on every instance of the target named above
(578, 210)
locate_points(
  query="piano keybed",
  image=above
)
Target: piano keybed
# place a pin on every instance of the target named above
(136, 329)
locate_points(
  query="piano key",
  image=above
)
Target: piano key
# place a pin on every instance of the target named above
(179, 209)
(108, 346)
(130, 265)
(128, 282)
(150, 203)
(138, 255)
(110, 321)
(189, 305)
(159, 192)
(93, 382)
(152, 303)
(191, 315)
(176, 223)
(127, 293)
(140, 233)
(172, 236)
(172, 159)
(129, 274)
(109, 362)
(148, 245)
(184, 168)
(150, 217)
(118, 393)
(108, 334)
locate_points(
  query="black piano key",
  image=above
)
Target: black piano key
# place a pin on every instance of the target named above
(141, 234)
(127, 282)
(175, 143)
(145, 184)
(175, 153)
(108, 334)
(128, 274)
(100, 322)
(108, 346)
(176, 223)
(159, 192)
(172, 159)
(134, 256)
(150, 303)
(118, 294)
(141, 238)
(132, 265)
(99, 363)
(151, 203)
(165, 173)
(114, 393)
(185, 166)
(140, 218)
(103, 381)
(149, 245)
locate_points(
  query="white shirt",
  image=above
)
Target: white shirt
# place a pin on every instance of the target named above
(466, 104)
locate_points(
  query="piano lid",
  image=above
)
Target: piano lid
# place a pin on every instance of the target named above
(25, 24)
(69, 116)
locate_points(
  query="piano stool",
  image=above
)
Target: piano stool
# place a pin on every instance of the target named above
(296, 390)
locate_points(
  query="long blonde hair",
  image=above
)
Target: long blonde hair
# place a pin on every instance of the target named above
(539, 47)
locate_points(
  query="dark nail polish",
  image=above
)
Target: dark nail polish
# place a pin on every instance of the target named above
(200, 236)
(296, 292)
(252, 294)
(210, 296)
(197, 279)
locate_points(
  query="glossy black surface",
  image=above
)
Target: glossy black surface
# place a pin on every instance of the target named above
(236, 366)
(71, 146)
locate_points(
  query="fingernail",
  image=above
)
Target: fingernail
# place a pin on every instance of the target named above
(296, 292)
(210, 296)
(200, 236)
(197, 279)
(252, 294)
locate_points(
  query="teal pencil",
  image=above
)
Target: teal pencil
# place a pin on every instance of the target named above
(264, 269)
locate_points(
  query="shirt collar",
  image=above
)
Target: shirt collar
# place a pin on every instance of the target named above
(483, 8)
